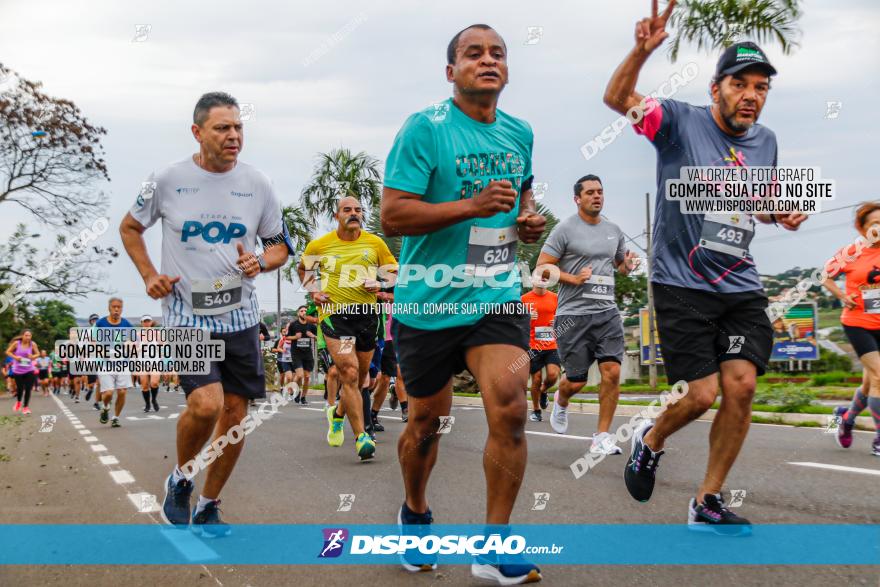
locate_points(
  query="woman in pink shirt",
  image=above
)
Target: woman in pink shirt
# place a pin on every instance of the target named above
(23, 350)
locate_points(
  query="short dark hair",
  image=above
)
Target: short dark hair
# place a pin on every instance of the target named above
(579, 185)
(208, 101)
(301, 308)
(453, 44)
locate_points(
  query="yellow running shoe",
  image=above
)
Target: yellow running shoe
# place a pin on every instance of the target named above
(335, 434)
(365, 446)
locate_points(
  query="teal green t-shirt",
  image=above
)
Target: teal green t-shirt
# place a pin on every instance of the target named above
(444, 155)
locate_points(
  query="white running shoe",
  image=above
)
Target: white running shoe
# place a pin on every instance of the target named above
(558, 417)
(603, 444)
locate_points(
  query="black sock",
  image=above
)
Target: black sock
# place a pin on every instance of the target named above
(375, 414)
(146, 395)
(403, 404)
(368, 422)
(154, 391)
(336, 412)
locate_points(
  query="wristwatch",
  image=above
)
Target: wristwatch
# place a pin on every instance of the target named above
(262, 262)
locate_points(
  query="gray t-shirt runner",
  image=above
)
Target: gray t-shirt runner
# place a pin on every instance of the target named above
(689, 249)
(578, 245)
(204, 215)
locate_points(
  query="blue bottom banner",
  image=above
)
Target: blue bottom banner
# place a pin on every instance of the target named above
(353, 544)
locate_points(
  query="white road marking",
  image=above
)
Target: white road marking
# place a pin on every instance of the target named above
(78, 426)
(109, 460)
(91, 439)
(122, 477)
(838, 468)
(85, 432)
(99, 448)
(554, 435)
(144, 502)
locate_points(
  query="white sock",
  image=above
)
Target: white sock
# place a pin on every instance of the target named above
(203, 502)
(177, 475)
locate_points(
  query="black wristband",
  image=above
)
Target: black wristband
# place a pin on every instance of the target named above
(527, 184)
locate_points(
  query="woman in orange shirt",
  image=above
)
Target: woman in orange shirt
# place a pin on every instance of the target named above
(861, 318)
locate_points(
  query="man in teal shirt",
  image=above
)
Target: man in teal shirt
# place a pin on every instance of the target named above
(458, 189)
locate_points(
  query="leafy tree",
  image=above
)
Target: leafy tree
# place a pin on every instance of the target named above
(340, 173)
(51, 165)
(716, 24)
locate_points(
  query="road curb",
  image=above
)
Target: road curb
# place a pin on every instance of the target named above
(862, 422)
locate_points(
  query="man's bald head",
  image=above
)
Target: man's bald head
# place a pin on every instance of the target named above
(348, 201)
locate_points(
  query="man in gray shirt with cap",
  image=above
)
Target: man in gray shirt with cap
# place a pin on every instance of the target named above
(588, 248)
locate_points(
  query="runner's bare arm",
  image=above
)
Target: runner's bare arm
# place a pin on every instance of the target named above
(620, 94)
(405, 214)
(132, 233)
(567, 278)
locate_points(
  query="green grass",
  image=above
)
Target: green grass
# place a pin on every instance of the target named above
(11, 420)
(808, 424)
(4, 458)
(829, 317)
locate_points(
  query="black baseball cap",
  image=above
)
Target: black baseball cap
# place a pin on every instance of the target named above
(93, 317)
(740, 56)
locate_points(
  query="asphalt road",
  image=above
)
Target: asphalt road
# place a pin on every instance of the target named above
(288, 474)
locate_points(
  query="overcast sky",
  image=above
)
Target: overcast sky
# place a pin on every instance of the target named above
(325, 75)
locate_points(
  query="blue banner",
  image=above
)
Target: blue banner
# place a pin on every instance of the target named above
(613, 544)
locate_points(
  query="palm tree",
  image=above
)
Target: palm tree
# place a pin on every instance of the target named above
(374, 226)
(298, 226)
(530, 252)
(339, 174)
(718, 24)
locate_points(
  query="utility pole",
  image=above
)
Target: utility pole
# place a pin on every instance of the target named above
(278, 307)
(652, 347)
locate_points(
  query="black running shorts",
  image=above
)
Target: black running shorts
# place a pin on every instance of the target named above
(241, 372)
(429, 358)
(699, 330)
(540, 358)
(362, 327)
(864, 341)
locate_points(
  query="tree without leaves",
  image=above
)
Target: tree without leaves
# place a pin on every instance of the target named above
(717, 24)
(338, 174)
(50, 163)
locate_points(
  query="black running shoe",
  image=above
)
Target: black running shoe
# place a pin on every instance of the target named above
(393, 401)
(303, 401)
(404, 414)
(105, 415)
(155, 406)
(97, 406)
(176, 508)
(713, 516)
(146, 409)
(641, 468)
(415, 524)
(377, 425)
(207, 522)
(543, 400)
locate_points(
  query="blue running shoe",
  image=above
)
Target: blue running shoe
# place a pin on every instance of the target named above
(208, 524)
(515, 571)
(415, 524)
(176, 509)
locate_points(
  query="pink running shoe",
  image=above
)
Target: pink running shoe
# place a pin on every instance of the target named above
(26, 411)
(844, 430)
(16, 407)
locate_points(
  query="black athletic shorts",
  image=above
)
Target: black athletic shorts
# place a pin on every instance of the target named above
(44, 373)
(92, 379)
(325, 361)
(241, 372)
(540, 358)
(362, 327)
(303, 360)
(388, 364)
(700, 329)
(285, 366)
(59, 374)
(429, 358)
(864, 341)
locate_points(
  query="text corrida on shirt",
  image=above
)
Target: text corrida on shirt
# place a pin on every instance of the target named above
(497, 273)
